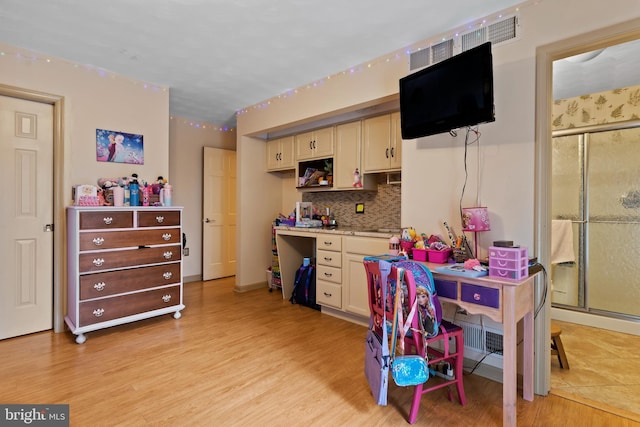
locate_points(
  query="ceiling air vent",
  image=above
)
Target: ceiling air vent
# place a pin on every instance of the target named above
(505, 29)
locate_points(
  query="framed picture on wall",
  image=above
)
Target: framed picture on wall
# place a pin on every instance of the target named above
(119, 147)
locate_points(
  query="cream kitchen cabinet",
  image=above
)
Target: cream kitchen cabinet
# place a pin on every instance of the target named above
(329, 270)
(316, 144)
(382, 143)
(280, 154)
(355, 298)
(124, 264)
(348, 158)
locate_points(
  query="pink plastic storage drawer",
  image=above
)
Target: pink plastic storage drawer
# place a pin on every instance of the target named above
(508, 263)
(507, 253)
(509, 274)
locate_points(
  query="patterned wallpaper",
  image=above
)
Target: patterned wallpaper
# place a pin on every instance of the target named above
(381, 208)
(597, 108)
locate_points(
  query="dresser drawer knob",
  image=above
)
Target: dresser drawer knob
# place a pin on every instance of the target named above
(99, 286)
(107, 220)
(167, 255)
(476, 297)
(160, 219)
(166, 298)
(98, 262)
(167, 275)
(98, 312)
(166, 236)
(98, 241)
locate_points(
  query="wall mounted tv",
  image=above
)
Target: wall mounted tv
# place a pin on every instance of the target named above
(451, 94)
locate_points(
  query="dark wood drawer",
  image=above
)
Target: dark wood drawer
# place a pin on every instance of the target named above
(118, 282)
(102, 310)
(481, 295)
(158, 218)
(106, 220)
(95, 240)
(446, 288)
(108, 260)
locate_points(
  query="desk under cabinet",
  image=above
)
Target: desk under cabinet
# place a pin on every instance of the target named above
(124, 264)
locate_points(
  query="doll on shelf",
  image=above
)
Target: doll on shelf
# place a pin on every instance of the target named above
(357, 182)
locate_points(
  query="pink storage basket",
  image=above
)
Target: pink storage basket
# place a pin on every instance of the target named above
(419, 254)
(439, 257)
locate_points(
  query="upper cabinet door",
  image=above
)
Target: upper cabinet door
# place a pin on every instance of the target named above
(280, 154)
(347, 159)
(395, 147)
(381, 152)
(316, 144)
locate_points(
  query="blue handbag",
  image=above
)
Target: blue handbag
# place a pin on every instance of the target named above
(406, 370)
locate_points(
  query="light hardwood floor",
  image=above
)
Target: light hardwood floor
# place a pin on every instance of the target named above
(604, 369)
(242, 359)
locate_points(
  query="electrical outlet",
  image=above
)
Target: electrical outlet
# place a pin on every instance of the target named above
(186, 251)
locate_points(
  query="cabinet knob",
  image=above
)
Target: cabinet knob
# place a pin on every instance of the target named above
(166, 236)
(167, 275)
(327, 243)
(98, 261)
(327, 258)
(328, 274)
(98, 241)
(476, 297)
(392, 153)
(167, 255)
(166, 298)
(160, 219)
(327, 294)
(99, 286)
(98, 312)
(107, 220)
(386, 153)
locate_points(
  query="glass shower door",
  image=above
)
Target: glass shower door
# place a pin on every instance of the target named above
(613, 227)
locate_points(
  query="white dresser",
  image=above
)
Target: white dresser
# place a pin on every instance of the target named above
(124, 264)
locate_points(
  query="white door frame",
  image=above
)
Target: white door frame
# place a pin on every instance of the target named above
(59, 230)
(545, 55)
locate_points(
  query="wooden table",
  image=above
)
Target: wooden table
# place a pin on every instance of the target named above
(504, 301)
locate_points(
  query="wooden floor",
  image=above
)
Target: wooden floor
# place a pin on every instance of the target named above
(604, 368)
(242, 359)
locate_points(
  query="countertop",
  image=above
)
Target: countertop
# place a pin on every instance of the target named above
(382, 233)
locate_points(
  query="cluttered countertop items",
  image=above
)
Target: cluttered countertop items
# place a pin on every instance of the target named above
(125, 191)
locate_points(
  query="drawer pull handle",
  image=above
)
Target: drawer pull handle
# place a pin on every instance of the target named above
(99, 286)
(327, 294)
(98, 262)
(327, 243)
(166, 236)
(107, 220)
(160, 219)
(476, 297)
(98, 312)
(166, 298)
(167, 275)
(167, 255)
(328, 274)
(327, 258)
(98, 241)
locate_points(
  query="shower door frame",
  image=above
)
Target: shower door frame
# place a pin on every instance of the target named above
(583, 223)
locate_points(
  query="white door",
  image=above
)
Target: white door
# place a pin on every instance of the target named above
(219, 214)
(26, 211)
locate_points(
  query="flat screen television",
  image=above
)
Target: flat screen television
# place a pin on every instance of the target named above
(451, 94)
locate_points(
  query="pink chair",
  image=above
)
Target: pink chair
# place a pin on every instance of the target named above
(453, 356)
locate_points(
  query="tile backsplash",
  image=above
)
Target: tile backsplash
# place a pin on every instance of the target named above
(381, 208)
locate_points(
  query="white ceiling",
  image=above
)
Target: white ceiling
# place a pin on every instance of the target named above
(219, 56)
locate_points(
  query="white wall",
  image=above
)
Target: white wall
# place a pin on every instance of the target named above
(507, 153)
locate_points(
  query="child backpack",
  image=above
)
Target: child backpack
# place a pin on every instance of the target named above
(304, 287)
(429, 308)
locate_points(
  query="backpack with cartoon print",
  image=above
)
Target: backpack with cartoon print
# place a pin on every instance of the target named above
(429, 308)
